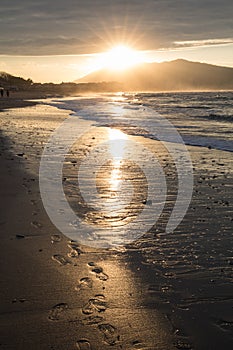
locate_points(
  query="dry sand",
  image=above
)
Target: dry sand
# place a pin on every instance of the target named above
(174, 293)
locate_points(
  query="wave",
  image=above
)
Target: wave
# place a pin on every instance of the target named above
(96, 107)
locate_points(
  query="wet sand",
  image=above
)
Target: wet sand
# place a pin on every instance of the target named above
(14, 103)
(19, 99)
(161, 292)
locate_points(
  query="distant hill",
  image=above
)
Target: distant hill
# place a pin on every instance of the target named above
(167, 76)
(9, 81)
(13, 83)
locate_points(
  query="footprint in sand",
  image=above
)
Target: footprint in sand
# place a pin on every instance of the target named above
(92, 320)
(55, 238)
(73, 254)
(225, 325)
(75, 247)
(98, 271)
(75, 250)
(110, 333)
(19, 236)
(83, 344)
(84, 282)
(183, 345)
(62, 260)
(96, 304)
(56, 311)
(36, 224)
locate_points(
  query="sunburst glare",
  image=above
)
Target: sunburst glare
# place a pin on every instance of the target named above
(119, 58)
(122, 57)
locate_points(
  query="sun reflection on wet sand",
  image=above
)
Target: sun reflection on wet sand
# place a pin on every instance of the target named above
(117, 186)
(115, 177)
(117, 150)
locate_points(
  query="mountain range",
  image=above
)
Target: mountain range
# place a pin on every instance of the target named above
(167, 76)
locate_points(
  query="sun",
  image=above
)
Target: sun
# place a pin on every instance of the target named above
(118, 59)
(122, 57)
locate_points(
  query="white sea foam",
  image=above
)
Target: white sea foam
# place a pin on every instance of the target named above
(202, 119)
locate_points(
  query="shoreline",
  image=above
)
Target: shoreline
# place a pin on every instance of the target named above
(29, 98)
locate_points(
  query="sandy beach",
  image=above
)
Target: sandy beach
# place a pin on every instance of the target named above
(56, 294)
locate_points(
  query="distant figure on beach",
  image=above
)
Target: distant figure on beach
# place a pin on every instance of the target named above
(2, 92)
(7, 93)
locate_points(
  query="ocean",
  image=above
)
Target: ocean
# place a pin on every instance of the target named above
(202, 118)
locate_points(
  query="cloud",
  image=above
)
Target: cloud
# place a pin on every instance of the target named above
(78, 27)
(40, 46)
(200, 43)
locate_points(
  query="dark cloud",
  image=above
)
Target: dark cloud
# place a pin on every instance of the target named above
(76, 27)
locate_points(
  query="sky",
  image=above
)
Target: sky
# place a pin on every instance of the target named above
(62, 40)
